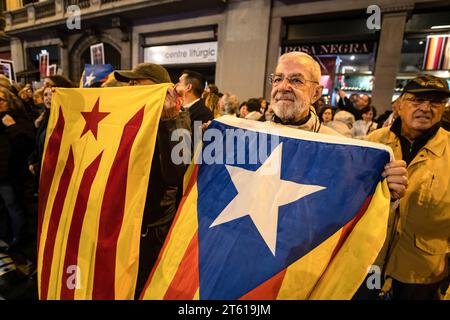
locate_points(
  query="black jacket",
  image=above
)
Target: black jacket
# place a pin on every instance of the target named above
(163, 195)
(199, 112)
(166, 177)
(35, 157)
(16, 143)
(346, 105)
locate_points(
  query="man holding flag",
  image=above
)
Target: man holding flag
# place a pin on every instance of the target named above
(293, 225)
(166, 178)
(292, 100)
(103, 146)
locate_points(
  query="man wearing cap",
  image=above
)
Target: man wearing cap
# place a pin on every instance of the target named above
(416, 251)
(166, 178)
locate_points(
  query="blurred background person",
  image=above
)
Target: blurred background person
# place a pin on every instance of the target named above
(211, 99)
(326, 117)
(264, 105)
(354, 105)
(35, 158)
(361, 128)
(38, 99)
(392, 115)
(26, 95)
(16, 143)
(228, 104)
(326, 114)
(58, 81)
(251, 110)
(345, 117)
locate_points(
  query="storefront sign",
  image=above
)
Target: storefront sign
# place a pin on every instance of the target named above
(331, 48)
(205, 52)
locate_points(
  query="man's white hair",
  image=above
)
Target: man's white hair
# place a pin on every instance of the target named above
(295, 55)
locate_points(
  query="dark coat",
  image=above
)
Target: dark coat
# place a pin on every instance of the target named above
(346, 105)
(16, 143)
(199, 112)
(35, 157)
(163, 195)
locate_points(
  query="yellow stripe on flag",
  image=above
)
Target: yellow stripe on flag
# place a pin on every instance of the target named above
(302, 275)
(176, 244)
(350, 266)
(127, 260)
(121, 104)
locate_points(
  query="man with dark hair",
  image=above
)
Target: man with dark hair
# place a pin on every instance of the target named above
(190, 87)
(417, 248)
(251, 110)
(355, 104)
(58, 81)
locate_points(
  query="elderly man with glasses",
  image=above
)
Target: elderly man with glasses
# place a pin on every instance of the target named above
(295, 87)
(419, 242)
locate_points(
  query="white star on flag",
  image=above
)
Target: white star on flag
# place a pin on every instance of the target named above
(260, 194)
(89, 79)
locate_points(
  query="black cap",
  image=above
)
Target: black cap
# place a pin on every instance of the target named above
(427, 83)
(144, 71)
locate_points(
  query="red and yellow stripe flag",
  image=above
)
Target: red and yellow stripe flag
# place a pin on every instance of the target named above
(235, 236)
(94, 178)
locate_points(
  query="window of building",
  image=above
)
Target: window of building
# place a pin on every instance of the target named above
(342, 44)
(426, 46)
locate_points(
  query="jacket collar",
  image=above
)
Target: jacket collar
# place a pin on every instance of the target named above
(434, 137)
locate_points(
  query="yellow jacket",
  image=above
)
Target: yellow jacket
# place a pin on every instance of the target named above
(421, 242)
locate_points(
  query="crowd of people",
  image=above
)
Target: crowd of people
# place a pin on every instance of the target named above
(415, 258)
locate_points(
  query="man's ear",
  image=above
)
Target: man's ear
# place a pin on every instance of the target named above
(188, 87)
(317, 93)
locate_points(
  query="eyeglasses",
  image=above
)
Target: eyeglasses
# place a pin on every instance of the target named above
(435, 103)
(294, 81)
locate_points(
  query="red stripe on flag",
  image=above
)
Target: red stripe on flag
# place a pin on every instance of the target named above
(186, 280)
(346, 230)
(169, 234)
(267, 290)
(437, 53)
(49, 168)
(53, 224)
(112, 213)
(73, 241)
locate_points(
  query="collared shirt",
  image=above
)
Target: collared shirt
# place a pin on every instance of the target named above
(190, 104)
(410, 149)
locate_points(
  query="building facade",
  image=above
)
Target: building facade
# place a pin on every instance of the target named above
(236, 43)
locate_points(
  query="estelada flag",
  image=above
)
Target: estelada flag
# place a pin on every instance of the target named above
(96, 166)
(304, 221)
(95, 73)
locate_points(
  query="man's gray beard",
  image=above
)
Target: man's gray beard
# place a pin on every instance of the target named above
(289, 113)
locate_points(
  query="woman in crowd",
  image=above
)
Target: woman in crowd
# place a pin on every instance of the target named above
(211, 97)
(16, 143)
(35, 159)
(251, 110)
(362, 128)
(26, 95)
(326, 117)
(326, 114)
